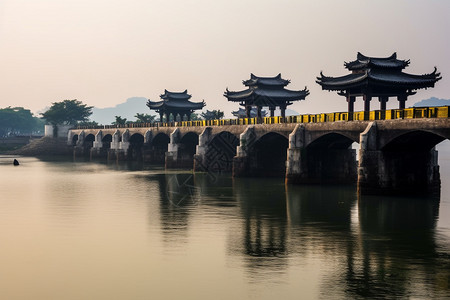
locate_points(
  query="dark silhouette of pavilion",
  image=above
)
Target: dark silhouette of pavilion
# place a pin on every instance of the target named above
(266, 92)
(377, 77)
(175, 103)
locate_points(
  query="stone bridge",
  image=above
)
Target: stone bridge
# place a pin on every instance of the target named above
(395, 156)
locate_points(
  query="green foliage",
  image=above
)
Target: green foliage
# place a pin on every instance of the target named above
(195, 117)
(67, 112)
(144, 118)
(18, 120)
(88, 123)
(212, 115)
(119, 121)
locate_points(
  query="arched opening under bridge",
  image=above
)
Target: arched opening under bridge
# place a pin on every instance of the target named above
(410, 163)
(331, 159)
(136, 147)
(159, 146)
(106, 141)
(269, 156)
(88, 143)
(186, 151)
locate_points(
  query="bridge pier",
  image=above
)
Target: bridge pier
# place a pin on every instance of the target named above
(296, 162)
(78, 149)
(147, 153)
(171, 160)
(318, 164)
(200, 159)
(176, 156)
(241, 162)
(119, 146)
(98, 151)
(397, 170)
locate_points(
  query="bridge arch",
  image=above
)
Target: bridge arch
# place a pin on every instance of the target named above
(135, 150)
(88, 141)
(159, 146)
(331, 159)
(186, 150)
(269, 155)
(333, 140)
(106, 141)
(411, 162)
(417, 140)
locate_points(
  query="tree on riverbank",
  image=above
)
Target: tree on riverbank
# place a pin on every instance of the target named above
(144, 118)
(119, 121)
(212, 115)
(18, 121)
(67, 112)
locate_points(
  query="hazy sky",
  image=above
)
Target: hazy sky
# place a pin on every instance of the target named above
(104, 51)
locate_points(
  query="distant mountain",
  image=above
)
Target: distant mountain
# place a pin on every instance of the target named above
(433, 101)
(126, 110)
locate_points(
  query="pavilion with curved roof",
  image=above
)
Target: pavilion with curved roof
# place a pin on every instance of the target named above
(176, 104)
(377, 77)
(265, 92)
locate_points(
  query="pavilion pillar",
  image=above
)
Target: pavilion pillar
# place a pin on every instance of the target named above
(161, 115)
(351, 107)
(402, 101)
(283, 111)
(248, 109)
(383, 100)
(259, 112)
(272, 111)
(367, 99)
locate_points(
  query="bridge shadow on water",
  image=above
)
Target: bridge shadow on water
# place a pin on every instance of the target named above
(363, 246)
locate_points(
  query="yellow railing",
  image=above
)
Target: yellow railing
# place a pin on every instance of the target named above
(392, 114)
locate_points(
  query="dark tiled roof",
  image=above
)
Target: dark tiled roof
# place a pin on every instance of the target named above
(379, 77)
(278, 95)
(174, 101)
(268, 81)
(365, 62)
(175, 104)
(175, 95)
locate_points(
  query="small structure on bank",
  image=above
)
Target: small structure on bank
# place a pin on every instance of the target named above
(176, 104)
(266, 92)
(377, 77)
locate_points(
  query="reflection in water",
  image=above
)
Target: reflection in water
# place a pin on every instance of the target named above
(177, 197)
(264, 228)
(397, 249)
(208, 232)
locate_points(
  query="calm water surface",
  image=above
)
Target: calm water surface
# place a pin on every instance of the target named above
(95, 231)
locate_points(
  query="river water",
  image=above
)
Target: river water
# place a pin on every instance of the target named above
(78, 230)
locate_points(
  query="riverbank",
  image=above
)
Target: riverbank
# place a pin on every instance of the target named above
(45, 146)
